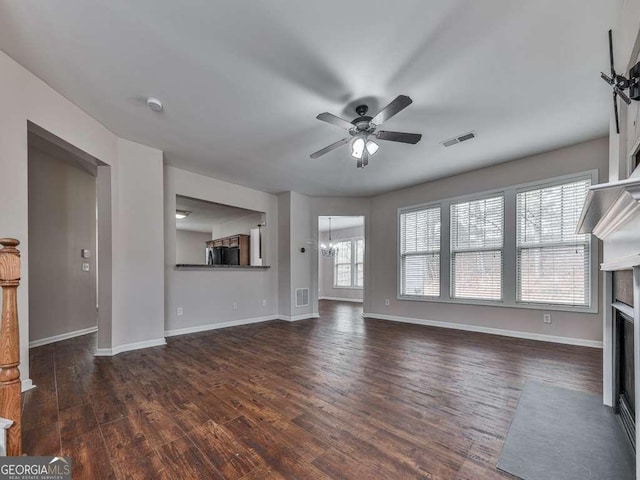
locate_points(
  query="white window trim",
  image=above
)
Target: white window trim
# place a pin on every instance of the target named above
(421, 253)
(508, 249)
(353, 264)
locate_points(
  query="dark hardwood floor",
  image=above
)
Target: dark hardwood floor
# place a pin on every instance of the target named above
(338, 397)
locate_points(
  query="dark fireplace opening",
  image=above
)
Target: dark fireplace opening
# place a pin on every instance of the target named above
(625, 398)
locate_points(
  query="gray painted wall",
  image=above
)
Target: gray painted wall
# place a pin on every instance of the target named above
(62, 222)
(294, 266)
(207, 297)
(239, 225)
(190, 246)
(382, 244)
(326, 270)
(284, 253)
(300, 262)
(139, 246)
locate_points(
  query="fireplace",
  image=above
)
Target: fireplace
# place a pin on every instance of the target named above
(623, 351)
(625, 373)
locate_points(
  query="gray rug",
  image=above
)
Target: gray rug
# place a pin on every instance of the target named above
(560, 434)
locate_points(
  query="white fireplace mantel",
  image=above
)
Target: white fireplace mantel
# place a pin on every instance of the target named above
(611, 212)
(609, 206)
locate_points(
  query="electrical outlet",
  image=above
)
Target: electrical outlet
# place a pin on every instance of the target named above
(546, 318)
(235, 305)
(179, 311)
(264, 303)
(85, 267)
(387, 302)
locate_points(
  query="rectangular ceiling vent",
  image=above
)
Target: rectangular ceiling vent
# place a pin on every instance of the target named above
(462, 138)
(302, 297)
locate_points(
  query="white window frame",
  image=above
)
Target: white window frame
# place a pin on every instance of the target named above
(509, 249)
(589, 243)
(402, 256)
(486, 249)
(352, 241)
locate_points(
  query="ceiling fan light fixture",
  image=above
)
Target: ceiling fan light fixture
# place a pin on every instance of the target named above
(372, 147)
(357, 147)
(365, 127)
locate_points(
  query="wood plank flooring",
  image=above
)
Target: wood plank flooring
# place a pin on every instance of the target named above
(338, 397)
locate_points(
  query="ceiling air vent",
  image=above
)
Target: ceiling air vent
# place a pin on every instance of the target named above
(462, 138)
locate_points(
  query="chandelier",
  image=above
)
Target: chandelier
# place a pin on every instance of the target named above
(329, 250)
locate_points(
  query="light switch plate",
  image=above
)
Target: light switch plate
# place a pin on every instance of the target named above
(85, 267)
(86, 253)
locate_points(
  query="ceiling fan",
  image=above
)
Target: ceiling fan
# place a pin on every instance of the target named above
(620, 83)
(363, 128)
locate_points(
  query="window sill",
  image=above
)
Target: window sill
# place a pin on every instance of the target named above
(501, 304)
(346, 288)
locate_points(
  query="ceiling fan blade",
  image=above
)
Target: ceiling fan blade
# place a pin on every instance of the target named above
(615, 110)
(613, 70)
(397, 105)
(333, 120)
(333, 146)
(403, 137)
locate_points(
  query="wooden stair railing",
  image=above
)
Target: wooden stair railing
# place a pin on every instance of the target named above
(10, 385)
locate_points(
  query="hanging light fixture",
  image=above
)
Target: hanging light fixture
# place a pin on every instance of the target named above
(361, 143)
(329, 250)
(362, 148)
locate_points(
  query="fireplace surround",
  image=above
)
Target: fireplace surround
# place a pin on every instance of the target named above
(612, 213)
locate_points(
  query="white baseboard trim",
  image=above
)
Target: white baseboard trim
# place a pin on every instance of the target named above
(215, 326)
(63, 336)
(27, 384)
(127, 347)
(339, 299)
(493, 331)
(294, 318)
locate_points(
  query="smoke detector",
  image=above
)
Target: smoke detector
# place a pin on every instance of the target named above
(154, 104)
(459, 139)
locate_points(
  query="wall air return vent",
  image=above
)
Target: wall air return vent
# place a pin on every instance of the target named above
(462, 138)
(302, 297)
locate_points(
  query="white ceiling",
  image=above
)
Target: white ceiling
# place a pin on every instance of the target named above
(204, 215)
(243, 81)
(338, 223)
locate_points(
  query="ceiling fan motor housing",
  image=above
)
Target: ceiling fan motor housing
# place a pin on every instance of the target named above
(363, 122)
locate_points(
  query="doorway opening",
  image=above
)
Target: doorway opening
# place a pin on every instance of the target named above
(341, 263)
(69, 209)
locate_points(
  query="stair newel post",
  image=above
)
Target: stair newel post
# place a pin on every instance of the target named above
(10, 385)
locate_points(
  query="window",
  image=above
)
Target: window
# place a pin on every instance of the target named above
(349, 264)
(477, 229)
(342, 268)
(511, 247)
(359, 275)
(552, 260)
(420, 252)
